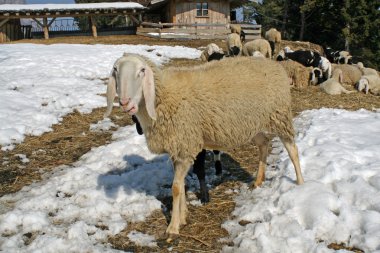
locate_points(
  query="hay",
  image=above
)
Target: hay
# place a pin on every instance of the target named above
(298, 73)
(300, 45)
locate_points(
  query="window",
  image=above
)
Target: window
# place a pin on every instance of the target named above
(202, 9)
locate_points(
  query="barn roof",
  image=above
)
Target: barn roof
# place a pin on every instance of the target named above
(10, 8)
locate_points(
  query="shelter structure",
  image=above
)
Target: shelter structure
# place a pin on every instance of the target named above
(45, 14)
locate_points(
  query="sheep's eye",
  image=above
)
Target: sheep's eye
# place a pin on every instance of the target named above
(143, 70)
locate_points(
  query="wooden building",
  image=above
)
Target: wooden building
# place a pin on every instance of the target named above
(192, 11)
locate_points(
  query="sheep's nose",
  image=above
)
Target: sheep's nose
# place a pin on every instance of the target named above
(124, 101)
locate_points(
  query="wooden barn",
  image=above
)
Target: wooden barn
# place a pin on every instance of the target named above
(191, 11)
(192, 19)
(10, 29)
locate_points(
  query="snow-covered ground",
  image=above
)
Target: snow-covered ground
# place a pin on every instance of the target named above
(75, 208)
(39, 84)
(340, 201)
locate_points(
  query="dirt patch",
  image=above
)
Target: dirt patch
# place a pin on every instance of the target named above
(68, 141)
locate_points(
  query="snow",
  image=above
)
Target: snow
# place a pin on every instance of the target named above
(40, 84)
(76, 208)
(57, 7)
(340, 200)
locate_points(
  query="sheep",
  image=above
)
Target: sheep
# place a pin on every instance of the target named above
(297, 73)
(369, 83)
(235, 28)
(339, 57)
(333, 85)
(325, 66)
(234, 45)
(316, 76)
(258, 54)
(273, 36)
(351, 73)
(173, 108)
(367, 71)
(260, 45)
(307, 58)
(212, 52)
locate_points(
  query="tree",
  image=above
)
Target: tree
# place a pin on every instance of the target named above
(350, 24)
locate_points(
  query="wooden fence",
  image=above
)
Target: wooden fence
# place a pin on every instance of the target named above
(194, 30)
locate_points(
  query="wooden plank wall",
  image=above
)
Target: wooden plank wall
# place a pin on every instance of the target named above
(11, 31)
(186, 12)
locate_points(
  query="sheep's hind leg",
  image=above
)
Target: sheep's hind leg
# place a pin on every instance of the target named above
(181, 168)
(292, 149)
(199, 170)
(262, 143)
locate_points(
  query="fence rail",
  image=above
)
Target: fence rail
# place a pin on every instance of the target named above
(194, 30)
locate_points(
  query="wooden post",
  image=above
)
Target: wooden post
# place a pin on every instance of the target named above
(46, 28)
(93, 27)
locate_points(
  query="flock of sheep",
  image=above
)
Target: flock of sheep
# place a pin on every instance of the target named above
(182, 111)
(304, 67)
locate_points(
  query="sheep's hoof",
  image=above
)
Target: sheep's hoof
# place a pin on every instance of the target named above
(172, 239)
(205, 197)
(256, 185)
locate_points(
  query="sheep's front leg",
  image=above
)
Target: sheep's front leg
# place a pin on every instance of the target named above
(291, 147)
(262, 143)
(179, 210)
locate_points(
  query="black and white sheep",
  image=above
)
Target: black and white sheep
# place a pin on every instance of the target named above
(307, 58)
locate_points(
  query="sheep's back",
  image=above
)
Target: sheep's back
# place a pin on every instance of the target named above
(232, 99)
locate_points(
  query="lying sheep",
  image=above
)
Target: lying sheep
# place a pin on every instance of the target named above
(316, 76)
(367, 71)
(297, 73)
(369, 83)
(234, 45)
(260, 45)
(307, 58)
(333, 85)
(273, 36)
(258, 54)
(351, 73)
(173, 108)
(212, 52)
(339, 57)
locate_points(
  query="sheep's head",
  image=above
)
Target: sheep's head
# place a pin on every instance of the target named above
(135, 84)
(316, 76)
(362, 84)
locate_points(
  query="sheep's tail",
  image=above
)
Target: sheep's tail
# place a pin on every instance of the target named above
(111, 93)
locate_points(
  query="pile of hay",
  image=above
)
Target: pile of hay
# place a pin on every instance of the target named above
(300, 45)
(298, 74)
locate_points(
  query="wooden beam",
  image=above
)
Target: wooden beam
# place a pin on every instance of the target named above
(93, 27)
(46, 28)
(38, 22)
(65, 14)
(51, 21)
(3, 22)
(135, 19)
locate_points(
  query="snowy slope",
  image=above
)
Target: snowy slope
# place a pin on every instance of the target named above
(340, 201)
(40, 84)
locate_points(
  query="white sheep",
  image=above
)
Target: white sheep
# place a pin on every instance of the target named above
(258, 54)
(369, 83)
(260, 45)
(273, 36)
(234, 45)
(333, 85)
(325, 66)
(181, 112)
(367, 71)
(211, 49)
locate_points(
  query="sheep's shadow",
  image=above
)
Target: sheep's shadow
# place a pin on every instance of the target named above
(154, 177)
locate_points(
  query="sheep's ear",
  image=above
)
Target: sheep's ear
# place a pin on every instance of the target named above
(111, 93)
(366, 88)
(341, 77)
(149, 92)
